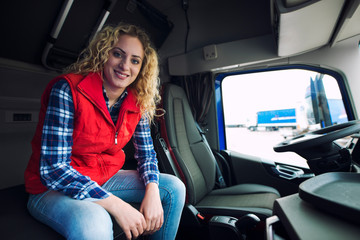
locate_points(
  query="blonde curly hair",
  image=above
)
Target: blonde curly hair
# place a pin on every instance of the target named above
(146, 85)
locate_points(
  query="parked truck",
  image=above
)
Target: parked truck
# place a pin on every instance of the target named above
(298, 120)
(272, 120)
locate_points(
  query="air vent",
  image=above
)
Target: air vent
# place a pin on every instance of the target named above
(21, 116)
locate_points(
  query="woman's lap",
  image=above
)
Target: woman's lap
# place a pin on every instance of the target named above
(79, 219)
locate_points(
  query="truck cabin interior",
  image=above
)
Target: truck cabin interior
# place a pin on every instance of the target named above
(201, 45)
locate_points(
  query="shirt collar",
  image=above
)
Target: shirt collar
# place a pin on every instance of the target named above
(118, 101)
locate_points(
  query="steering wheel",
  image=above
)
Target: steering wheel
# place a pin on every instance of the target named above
(318, 148)
(318, 137)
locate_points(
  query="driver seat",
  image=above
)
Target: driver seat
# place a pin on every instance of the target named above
(196, 166)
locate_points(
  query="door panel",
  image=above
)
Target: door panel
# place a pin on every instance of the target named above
(252, 169)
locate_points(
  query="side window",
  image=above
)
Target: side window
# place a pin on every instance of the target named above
(261, 109)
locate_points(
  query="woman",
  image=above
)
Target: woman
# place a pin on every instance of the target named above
(87, 116)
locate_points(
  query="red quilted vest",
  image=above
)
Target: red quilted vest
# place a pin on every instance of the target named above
(97, 143)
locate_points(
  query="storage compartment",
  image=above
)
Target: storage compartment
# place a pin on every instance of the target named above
(78, 21)
(300, 26)
(337, 193)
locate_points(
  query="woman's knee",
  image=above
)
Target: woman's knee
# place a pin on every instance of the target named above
(95, 224)
(74, 219)
(174, 186)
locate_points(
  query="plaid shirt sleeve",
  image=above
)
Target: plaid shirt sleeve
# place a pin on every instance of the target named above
(145, 153)
(55, 170)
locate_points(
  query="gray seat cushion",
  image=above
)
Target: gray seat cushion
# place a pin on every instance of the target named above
(239, 200)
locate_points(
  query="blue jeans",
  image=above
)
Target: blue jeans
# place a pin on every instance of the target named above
(80, 219)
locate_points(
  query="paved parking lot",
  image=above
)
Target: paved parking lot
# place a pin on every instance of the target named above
(260, 143)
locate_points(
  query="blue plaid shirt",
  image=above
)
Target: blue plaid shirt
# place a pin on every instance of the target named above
(55, 170)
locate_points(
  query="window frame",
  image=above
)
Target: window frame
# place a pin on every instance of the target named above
(219, 98)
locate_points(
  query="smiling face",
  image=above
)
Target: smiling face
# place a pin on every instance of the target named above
(123, 66)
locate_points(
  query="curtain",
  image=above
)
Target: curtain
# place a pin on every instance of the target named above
(199, 91)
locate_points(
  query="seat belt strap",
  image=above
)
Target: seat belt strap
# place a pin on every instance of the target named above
(219, 177)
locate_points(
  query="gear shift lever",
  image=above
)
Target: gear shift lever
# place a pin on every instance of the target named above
(247, 222)
(230, 228)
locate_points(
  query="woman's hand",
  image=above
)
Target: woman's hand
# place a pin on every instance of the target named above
(151, 208)
(131, 221)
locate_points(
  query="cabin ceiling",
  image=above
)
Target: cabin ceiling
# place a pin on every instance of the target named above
(27, 24)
